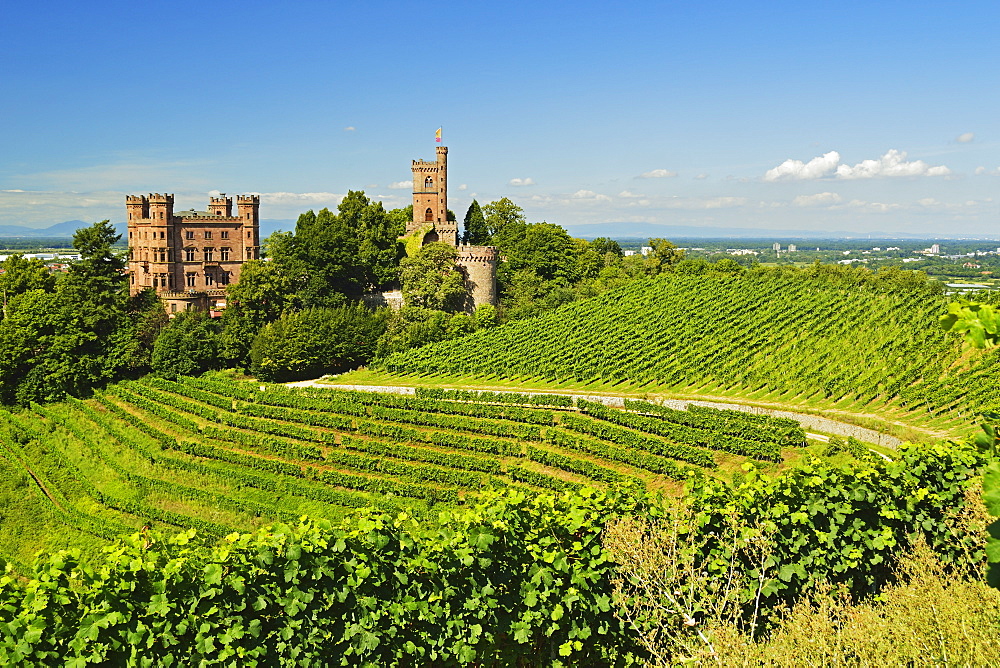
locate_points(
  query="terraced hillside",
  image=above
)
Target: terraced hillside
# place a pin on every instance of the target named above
(221, 455)
(762, 330)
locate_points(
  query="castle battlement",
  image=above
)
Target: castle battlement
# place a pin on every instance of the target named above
(248, 199)
(157, 198)
(480, 254)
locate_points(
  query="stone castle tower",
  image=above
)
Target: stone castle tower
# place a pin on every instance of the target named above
(430, 215)
(189, 257)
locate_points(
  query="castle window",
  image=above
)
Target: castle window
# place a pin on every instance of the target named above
(249, 253)
(224, 278)
(224, 254)
(163, 235)
(190, 280)
(225, 234)
(173, 307)
(189, 234)
(209, 279)
(428, 183)
(249, 234)
(428, 216)
(208, 234)
(189, 255)
(208, 254)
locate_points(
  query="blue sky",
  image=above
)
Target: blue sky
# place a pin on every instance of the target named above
(856, 116)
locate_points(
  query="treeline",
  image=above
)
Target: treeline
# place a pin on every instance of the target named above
(63, 335)
(298, 313)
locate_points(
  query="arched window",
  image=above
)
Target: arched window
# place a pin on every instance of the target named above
(428, 216)
(428, 183)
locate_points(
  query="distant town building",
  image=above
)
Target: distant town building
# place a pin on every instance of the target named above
(792, 248)
(935, 249)
(630, 253)
(777, 247)
(646, 250)
(189, 257)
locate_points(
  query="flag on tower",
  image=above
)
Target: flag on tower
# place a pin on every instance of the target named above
(437, 136)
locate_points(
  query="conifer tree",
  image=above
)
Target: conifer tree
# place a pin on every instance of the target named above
(476, 232)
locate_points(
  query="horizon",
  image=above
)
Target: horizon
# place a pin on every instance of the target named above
(854, 119)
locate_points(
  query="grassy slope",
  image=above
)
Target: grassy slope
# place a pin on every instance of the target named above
(851, 353)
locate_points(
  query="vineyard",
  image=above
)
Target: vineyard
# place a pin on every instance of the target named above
(220, 455)
(760, 331)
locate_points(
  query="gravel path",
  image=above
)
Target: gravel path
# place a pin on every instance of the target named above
(808, 421)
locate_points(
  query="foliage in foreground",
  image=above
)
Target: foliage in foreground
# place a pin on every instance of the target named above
(516, 581)
(930, 617)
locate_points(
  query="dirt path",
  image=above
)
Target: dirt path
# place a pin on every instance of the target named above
(807, 420)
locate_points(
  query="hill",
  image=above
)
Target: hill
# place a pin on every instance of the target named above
(220, 455)
(836, 335)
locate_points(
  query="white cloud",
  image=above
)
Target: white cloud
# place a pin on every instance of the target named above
(893, 163)
(463, 186)
(965, 137)
(818, 199)
(350, 128)
(796, 170)
(657, 174)
(701, 177)
(400, 185)
(590, 195)
(992, 172)
(521, 182)
(299, 198)
(625, 194)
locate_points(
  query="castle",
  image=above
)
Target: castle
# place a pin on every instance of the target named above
(430, 219)
(189, 257)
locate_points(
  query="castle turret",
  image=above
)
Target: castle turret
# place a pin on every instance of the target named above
(221, 206)
(430, 198)
(161, 208)
(249, 212)
(479, 264)
(137, 206)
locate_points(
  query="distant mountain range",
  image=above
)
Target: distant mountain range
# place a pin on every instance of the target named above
(652, 230)
(610, 230)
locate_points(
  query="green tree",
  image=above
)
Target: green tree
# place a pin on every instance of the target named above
(400, 218)
(431, 279)
(505, 222)
(666, 252)
(412, 327)
(603, 245)
(476, 231)
(187, 347)
(316, 341)
(265, 291)
(20, 275)
(547, 250)
(328, 252)
(379, 250)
